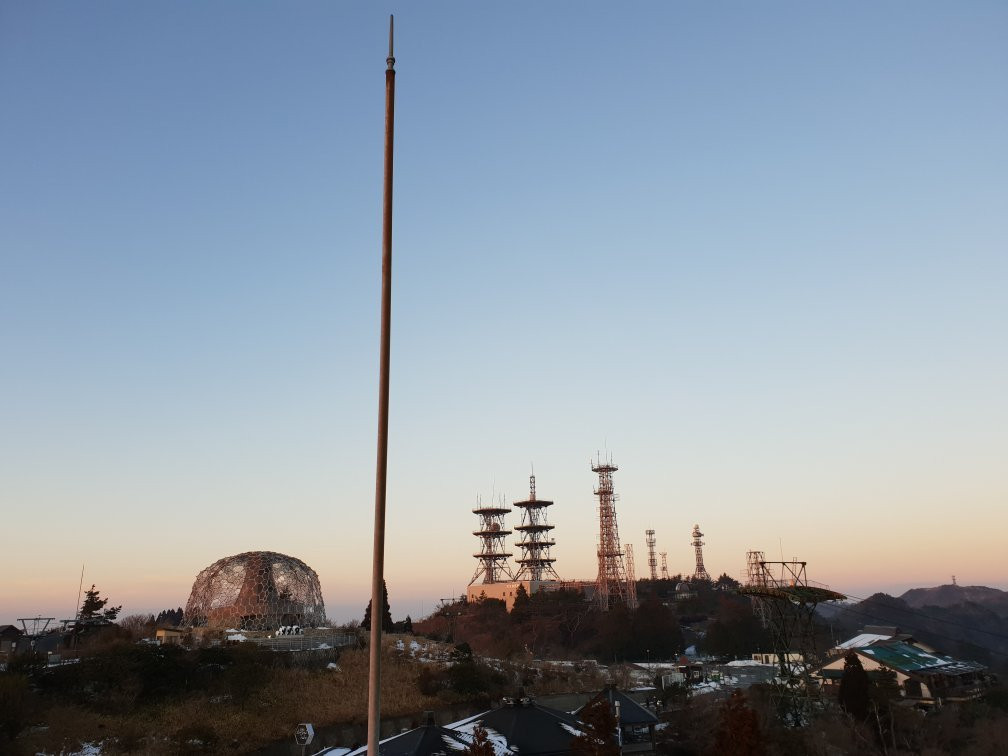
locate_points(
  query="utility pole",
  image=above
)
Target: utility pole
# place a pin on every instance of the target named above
(381, 474)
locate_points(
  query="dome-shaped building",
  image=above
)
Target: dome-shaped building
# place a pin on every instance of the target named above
(257, 590)
(684, 591)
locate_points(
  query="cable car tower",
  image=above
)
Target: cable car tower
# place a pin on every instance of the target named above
(788, 600)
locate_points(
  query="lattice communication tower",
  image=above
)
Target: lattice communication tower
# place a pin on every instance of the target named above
(701, 571)
(535, 562)
(631, 576)
(790, 600)
(664, 565)
(651, 561)
(755, 577)
(611, 582)
(492, 558)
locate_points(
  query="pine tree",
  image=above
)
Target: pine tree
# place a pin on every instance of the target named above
(387, 624)
(93, 609)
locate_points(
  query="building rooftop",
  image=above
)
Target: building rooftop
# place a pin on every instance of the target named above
(906, 658)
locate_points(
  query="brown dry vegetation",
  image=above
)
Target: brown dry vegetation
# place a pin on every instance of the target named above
(226, 718)
(270, 713)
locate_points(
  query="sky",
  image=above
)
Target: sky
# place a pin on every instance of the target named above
(754, 252)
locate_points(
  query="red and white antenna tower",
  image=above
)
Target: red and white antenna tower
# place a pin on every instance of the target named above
(535, 562)
(701, 571)
(612, 578)
(492, 557)
(652, 562)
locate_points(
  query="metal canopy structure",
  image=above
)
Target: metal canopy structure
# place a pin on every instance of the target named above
(788, 602)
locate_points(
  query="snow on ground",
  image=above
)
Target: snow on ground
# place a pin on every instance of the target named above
(237, 637)
(747, 663)
(87, 749)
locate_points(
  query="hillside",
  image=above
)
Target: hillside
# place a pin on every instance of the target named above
(965, 630)
(954, 595)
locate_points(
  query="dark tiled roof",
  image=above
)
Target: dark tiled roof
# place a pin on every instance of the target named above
(528, 727)
(631, 712)
(420, 741)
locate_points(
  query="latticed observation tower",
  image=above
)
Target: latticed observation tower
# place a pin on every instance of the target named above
(536, 562)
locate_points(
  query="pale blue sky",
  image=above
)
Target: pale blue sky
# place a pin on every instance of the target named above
(757, 251)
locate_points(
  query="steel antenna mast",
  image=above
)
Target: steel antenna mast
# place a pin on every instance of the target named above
(381, 474)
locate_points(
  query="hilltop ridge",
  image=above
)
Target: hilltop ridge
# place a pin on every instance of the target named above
(951, 595)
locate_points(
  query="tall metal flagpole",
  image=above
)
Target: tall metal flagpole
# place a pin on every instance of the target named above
(378, 564)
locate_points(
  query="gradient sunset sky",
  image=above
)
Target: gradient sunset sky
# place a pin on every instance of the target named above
(758, 252)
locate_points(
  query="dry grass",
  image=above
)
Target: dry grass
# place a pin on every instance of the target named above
(292, 695)
(201, 723)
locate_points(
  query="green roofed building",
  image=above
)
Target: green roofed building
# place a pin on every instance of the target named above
(925, 677)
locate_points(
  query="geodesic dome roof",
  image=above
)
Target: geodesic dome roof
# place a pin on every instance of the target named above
(257, 590)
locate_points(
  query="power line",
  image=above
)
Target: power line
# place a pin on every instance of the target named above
(988, 649)
(909, 610)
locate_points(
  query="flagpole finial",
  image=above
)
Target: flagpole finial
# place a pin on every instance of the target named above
(390, 59)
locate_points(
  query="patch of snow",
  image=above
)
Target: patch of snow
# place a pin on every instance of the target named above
(87, 749)
(862, 640)
(453, 743)
(237, 637)
(333, 666)
(747, 663)
(571, 730)
(498, 741)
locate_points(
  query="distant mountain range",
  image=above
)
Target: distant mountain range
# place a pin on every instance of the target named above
(947, 596)
(967, 622)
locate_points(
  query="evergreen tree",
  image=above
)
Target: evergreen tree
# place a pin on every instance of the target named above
(598, 731)
(726, 582)
(387, 624)
(854, 687)
(93, 611)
